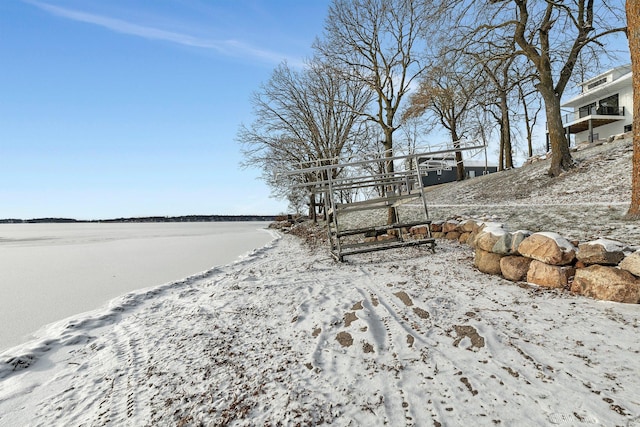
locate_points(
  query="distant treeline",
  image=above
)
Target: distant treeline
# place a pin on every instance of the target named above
(187, 218)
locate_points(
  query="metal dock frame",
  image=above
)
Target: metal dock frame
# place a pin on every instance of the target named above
(392, 190)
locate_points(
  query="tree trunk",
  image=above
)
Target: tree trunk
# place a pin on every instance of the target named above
(505, 132)
(313, 208)
(392, 215)
(501, 150)
(460, 175)
(527, 122)
(560, 155)
(323, 207)
(633, 33)
(529, 130)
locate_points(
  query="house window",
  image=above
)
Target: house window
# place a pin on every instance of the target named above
(471, 174)
(609, 105)
(596, 83)
(628, 128)
(587, 110)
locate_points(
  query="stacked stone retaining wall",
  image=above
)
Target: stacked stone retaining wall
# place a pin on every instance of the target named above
(601, 269)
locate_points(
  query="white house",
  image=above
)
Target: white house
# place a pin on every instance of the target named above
(603, 108)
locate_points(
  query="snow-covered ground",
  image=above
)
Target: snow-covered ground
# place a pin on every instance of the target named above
(585, 203)
(287, 336)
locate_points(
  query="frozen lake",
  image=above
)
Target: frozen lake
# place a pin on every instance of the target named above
(52, 271)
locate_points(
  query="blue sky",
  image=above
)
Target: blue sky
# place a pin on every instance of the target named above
(126, 108)
(131, 108)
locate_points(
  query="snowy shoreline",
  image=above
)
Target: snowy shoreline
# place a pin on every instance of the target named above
(50, 272)
(70, 330)
(287, 335)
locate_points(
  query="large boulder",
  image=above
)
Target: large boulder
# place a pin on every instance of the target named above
(503, 245)
(487, 262)
(436, 226)
(464, 237)
(601, 251)
(549, 248)
(631, 263)
(452, 235)
(471, 240)
(550, 276)
(607, 283)
(467, 226)
(449, 226)
(515, 268)
(419, 231)
(489, 236)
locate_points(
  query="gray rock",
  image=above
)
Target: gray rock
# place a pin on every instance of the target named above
(503, 245)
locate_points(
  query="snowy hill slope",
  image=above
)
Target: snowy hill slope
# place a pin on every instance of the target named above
(584, 203)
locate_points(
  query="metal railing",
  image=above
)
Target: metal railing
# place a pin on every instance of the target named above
(593, 111)
(381, 200)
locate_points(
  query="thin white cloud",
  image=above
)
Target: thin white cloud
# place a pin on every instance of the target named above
(226, 47)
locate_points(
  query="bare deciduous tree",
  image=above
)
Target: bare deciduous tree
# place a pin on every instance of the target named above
(303, 116)
(378, 42)
(499, 73)
(531, 106)
(446, 94)
(551, 34)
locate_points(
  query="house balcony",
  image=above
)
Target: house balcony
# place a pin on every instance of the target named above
(591, 117)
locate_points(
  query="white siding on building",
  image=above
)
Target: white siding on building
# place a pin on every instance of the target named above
(615, 81)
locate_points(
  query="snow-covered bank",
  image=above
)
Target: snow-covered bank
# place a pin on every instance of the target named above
(401, 337)
(49, 272)
(586, 203)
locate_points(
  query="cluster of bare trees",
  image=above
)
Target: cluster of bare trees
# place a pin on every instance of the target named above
(475, 68)
(304, 116)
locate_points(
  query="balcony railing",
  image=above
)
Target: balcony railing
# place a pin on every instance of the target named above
(593, 111)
